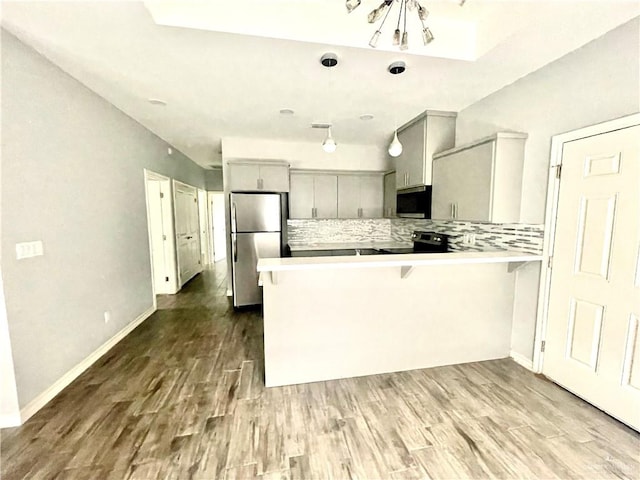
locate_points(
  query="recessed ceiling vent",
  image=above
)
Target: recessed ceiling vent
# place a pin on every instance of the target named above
(329, 60)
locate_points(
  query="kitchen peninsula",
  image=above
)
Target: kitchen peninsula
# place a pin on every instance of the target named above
(347, 316)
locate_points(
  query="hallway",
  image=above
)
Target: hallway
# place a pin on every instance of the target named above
(183, 397)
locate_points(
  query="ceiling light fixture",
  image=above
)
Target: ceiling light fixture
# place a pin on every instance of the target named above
(366, 116)
(329, 145)
(397, 67)
(156, 101)
(329, 60)
(400, 37)
(395, 147)
(286, 111)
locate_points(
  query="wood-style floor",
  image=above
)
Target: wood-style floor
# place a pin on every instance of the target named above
(182, 397)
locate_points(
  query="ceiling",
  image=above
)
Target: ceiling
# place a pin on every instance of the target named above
(228, 68)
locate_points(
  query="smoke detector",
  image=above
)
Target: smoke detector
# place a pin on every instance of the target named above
(329, 60)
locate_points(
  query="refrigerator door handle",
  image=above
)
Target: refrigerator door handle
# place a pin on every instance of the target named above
(235, 248)
(234, 219)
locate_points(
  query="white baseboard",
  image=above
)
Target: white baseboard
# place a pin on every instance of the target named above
(521, 360)
(8, 421)
(45, 397)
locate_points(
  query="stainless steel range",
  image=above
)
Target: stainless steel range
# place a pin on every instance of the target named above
(423, 242)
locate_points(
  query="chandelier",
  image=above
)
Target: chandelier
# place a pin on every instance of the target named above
(400, 37)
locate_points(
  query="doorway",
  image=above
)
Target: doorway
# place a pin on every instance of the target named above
(161, 236)
(203, 219)
(219, 234)
(187, 231)
(592, 310)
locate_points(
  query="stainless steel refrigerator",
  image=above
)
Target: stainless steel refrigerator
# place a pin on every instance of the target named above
(258, 230)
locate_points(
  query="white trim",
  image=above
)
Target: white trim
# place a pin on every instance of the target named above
(45, 397)
(151, 175)
(170, 247)
(475, 143)
(521, 360)
(557, 143)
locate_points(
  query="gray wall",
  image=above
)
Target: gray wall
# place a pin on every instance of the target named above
(72, 176)
(213, 180)
(595, 83)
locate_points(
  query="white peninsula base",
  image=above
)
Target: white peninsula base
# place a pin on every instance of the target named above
(352, 316)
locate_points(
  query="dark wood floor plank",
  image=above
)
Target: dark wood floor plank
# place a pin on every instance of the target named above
(183, 397)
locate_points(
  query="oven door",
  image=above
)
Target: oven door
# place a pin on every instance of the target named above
(414, 202)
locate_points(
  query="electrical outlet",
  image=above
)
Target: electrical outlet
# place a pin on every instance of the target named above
(469, 239)
(29, 249)
(107, 316)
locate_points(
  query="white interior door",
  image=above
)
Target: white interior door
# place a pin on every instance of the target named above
(203, 222)
(157, 236)
(593, 336)
(161, 236)
(187, 231)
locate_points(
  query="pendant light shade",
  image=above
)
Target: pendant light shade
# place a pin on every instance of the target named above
(329, 145)
(395, 147)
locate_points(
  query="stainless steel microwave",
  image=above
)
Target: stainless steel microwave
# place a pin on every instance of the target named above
(414, 202)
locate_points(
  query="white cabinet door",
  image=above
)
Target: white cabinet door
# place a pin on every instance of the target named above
(274, 178)
(326, 196)
(349, 196)
(301, 203)
(390, 195)
(243, 177)
(251, 177)
(481, 181)
(371, 196)
(444, 191)
(473, 168)
(462, 185)
(411, 160)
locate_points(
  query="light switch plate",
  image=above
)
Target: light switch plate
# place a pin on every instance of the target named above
(29, 249)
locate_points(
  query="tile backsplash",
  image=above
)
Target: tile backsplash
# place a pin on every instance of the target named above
(338, 230)
(519, 237)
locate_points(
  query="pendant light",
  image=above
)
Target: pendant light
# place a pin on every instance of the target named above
(395, 147)
(329, 145)
(400, 37)
(329, 60)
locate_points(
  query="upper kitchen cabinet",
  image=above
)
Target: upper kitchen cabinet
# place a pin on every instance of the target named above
(431, 132)
(481, 181)
(360, 195)
(390, 195)
(313, 195)
(251, 176)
